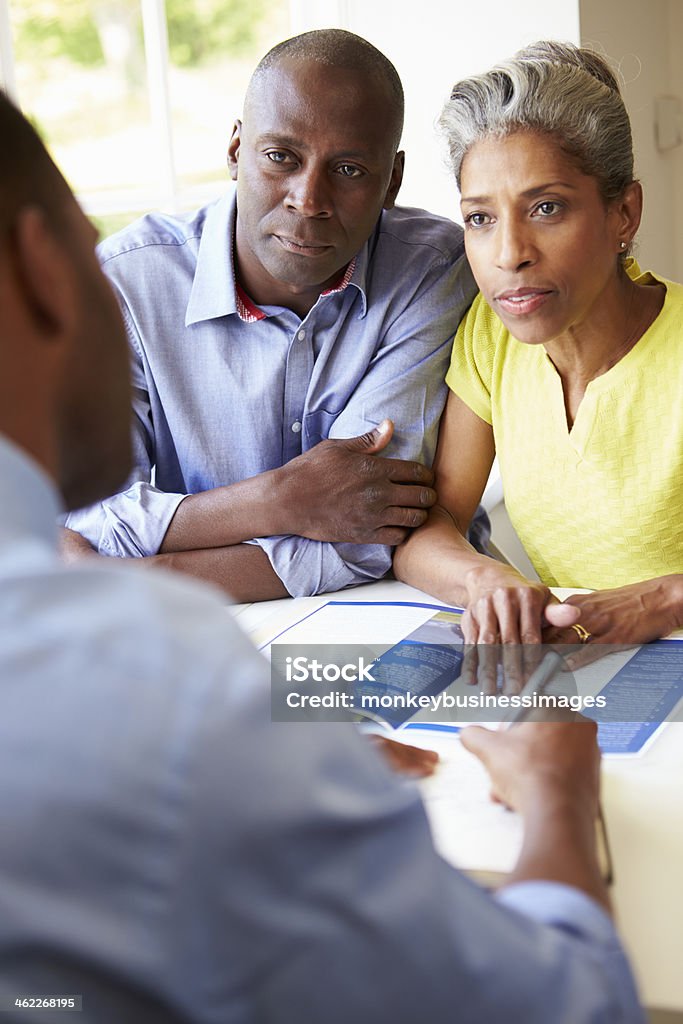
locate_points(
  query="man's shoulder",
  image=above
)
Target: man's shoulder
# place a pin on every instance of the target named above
(408, 227)
(152, 620)
(156, 230)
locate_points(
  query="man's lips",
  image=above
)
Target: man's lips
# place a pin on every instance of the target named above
(521, 301)
(302, 246)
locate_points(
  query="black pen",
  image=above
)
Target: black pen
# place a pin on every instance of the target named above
(536, 683)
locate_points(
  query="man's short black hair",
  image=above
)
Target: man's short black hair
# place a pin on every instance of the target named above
(27, 172)
(341, 49)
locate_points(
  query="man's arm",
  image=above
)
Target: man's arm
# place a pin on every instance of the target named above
(247, 568)
(242, 570)
(549, 772)
(339, 491)
(354, 889)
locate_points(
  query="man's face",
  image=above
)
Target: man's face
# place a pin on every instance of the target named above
(95, 399)
(315, 163)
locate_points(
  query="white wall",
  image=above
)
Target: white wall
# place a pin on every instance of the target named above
(676, 73)
(433, 44)
(646, 41)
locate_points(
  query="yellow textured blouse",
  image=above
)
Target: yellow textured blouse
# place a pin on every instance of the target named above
(601, 505)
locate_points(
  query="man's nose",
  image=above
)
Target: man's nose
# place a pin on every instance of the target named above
(309, 193)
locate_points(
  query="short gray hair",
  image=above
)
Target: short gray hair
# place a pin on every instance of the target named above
(557, 89)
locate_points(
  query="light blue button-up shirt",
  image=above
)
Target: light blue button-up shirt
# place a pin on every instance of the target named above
(219, 399)
(171, 854)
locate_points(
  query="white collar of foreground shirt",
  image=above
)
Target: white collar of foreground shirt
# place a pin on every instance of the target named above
(213, 293)
(29, 501)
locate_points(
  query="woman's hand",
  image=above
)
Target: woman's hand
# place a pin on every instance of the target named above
(504, 607)
(635, 614)
(507, 612)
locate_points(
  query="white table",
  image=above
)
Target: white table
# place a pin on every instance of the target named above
(643, 805)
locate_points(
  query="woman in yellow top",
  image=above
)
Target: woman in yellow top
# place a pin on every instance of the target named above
(569, 366)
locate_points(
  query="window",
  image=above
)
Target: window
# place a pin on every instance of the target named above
(136, 98)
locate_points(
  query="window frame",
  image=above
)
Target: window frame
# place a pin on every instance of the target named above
(168, 193)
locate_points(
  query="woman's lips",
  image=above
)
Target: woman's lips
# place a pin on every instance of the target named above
(523, 301)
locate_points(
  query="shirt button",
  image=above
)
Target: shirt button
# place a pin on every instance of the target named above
(301, 335)
(296, 426)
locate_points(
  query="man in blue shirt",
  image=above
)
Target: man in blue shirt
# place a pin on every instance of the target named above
(168, 853)
(302, 310)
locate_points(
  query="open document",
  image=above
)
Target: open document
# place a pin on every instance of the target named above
(400, 664)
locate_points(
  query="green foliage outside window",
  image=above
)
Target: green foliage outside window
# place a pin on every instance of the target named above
(56, 28)
(200, 29)
(74, 29)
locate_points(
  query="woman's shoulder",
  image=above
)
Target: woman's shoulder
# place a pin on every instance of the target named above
(481, 350)
(485, 339)
(668, 325)
(674, 289)
(481, 318)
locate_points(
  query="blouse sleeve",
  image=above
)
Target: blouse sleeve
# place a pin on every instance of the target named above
(472, 360)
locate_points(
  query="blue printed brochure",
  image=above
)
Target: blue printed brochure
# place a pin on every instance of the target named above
(418, 653)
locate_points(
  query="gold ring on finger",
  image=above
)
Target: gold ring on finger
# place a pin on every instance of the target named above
(582, 633)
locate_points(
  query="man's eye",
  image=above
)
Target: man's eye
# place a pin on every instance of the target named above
(349, 171)
(277, 156)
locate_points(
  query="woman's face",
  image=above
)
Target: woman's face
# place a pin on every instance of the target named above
(540, 239)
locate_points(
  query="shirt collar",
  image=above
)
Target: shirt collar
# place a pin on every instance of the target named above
(29, 502)
(214, 291)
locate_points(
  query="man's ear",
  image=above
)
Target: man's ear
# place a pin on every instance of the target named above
(395, 180)
(234, 149)
(43, 271)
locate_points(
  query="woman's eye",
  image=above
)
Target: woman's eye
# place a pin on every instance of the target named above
(477, 220)
(548, 208)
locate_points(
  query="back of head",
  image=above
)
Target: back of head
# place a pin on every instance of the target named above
(64, 387)
(552, 88)
(337, 48)
(27, 173)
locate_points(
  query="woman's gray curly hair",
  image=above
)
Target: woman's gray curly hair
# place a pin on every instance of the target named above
(558, 89)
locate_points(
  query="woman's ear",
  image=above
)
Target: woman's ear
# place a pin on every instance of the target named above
(629, 208)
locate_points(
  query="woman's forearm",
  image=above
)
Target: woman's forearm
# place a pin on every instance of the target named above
(438, 559)
(501, 605)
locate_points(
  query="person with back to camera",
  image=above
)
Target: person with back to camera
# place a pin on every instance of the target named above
(568, 367)
(169, 854)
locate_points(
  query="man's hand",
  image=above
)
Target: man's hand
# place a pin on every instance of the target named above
(341, 491)
(549, 772)
(533, 762)
(73, 547)
(405, 759)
